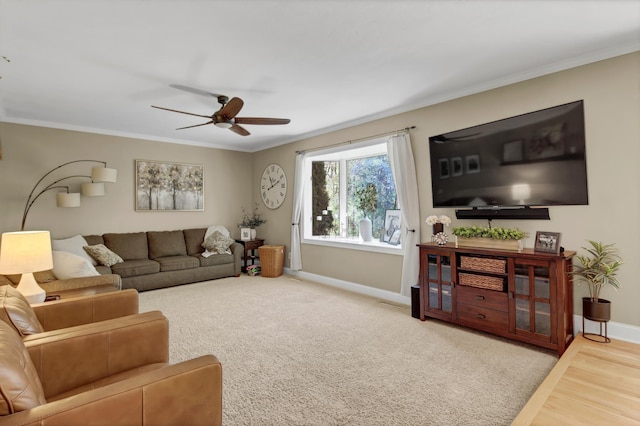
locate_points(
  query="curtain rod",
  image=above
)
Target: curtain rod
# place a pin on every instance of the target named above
(406, 129)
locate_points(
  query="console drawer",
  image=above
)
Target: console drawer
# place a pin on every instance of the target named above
(480, 297)
(481, 317)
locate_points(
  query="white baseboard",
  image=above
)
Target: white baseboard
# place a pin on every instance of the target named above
(616, 330)
(354, 287)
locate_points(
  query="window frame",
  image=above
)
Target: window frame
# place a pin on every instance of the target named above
(341, 153)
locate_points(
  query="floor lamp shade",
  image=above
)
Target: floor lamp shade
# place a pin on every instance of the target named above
(66, 199)
(25, 253)
(103, 174)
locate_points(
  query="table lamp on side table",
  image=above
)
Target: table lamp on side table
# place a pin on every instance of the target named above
(24, 253)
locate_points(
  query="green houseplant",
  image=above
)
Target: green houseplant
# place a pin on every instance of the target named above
(488, 237)
(597, 269)
(366, 201)
(251, 219)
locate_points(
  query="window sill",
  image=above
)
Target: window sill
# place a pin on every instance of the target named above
(355, 244)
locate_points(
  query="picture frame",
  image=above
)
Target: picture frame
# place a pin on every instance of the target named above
(444, 168)
(168, 186)
(473, 163)
(547, 242)
(392, 232)
(457, 168)
(245, 234)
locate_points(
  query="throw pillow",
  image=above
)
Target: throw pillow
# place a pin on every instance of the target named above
(17, 312)
(218, 243)
(103, 255)
(73, 245)
(68, 265)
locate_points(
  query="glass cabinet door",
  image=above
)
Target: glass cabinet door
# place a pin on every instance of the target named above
(439, 282)
(531, 301)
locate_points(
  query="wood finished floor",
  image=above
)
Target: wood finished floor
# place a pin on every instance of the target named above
(592, 384)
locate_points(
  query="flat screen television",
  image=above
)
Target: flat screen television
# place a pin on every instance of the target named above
(533, 159)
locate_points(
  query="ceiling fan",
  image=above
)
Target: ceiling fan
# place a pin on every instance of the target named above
(226, 118)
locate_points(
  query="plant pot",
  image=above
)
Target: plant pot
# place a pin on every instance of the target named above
(489, 243)
(599, 310)
(437, 227)
(253, 233)
(365, 230)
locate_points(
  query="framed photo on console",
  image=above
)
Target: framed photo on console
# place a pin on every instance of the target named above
(547, 242)
(245, 234)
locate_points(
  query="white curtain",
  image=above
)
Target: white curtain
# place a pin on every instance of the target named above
(295, 264)
(404, 175)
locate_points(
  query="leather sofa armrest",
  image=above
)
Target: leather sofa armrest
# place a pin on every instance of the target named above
(74, 311)
(188, 393)
(72, 357)
(55, 286)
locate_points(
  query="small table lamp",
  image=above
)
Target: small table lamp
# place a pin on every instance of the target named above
(25, 253)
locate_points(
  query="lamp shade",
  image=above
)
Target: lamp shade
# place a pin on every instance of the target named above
(93, 189)
(103, 174)
(24, 252)
(65, 199)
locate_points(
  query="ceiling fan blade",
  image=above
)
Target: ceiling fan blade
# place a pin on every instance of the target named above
(239, 130)
(261, 120)
(232, 108)
(194, 90)
(195, 125)
(181, 112)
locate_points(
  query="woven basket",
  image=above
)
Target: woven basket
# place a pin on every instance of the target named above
(271, 260)
(483, 264)
(481, 281)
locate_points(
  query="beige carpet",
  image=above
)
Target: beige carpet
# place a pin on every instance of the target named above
(300, 353)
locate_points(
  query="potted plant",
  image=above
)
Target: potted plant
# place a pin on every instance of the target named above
(597, 269)
(251, 220)
(366, 201)
(488, 237)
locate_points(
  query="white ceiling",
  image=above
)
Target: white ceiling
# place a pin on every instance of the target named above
(98, 66)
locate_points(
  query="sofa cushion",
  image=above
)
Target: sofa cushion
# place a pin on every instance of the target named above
(175, 263)
(129, 246)
(20, 386)
(219, 259)
(103, 255)
(16, 311)
(132, 268)
(166, 243)
(73, 245)
(92, 240)
(193, 239)
(69, 265)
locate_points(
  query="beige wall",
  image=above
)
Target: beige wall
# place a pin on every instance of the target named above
(610, 89)
(611, 92)
(29, 152)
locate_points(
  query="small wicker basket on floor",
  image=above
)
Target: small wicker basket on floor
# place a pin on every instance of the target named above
(271, 260)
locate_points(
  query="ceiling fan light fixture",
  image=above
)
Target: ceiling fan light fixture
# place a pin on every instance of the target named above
(224, 124)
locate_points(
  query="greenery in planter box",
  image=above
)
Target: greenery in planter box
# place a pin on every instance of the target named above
(599, 268)
(488, 232)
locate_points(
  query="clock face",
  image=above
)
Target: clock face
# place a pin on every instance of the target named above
(273, 186)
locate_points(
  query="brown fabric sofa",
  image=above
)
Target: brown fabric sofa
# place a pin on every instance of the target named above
(158, 259)
(112, 372)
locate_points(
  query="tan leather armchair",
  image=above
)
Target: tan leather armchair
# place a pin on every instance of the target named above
(41, 317)
(113, 373)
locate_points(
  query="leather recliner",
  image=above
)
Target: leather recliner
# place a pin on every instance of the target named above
(111, 372)
(55, 315)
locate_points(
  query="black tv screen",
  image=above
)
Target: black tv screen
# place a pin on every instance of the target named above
(533, 159)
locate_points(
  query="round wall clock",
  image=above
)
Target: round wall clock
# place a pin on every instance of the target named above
(273, 186)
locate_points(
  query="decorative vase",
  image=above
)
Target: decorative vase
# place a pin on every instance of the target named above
(599, 310)
(365, 229)
(253, 233)
(437, 227)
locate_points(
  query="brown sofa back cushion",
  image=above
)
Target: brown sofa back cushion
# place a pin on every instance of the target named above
(20, 386)
(166, 243)
(129, 246)
(92, 240)
(193, 239)
(16, 311)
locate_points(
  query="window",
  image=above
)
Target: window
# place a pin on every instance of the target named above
(343, 186)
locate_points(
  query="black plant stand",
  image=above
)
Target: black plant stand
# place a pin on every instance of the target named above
(600, 338)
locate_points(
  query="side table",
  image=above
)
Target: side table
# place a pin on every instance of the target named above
(250, 256)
